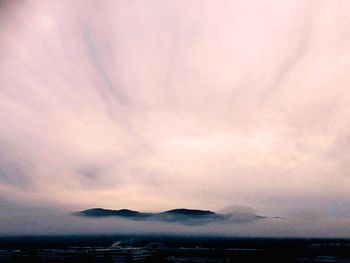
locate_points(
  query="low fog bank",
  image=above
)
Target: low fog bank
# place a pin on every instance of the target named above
(51, 222)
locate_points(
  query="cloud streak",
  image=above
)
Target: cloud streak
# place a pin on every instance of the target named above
(165, 104)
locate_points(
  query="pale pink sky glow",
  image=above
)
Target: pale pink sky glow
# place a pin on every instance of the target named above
(153, 105)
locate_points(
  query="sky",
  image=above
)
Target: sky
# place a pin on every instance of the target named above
(154, 105)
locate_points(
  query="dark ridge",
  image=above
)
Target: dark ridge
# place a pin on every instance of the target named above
(101, 212)
(180, 215)
(190, 212)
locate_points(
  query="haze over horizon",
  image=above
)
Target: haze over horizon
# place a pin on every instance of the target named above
(155, 105)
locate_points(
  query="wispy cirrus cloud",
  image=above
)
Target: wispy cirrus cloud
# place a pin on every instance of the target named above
(169, 104)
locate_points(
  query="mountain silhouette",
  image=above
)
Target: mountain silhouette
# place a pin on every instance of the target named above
(190, 212)
(101, 212)
(180, 215)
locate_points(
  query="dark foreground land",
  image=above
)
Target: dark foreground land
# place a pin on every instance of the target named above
(194, 249)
